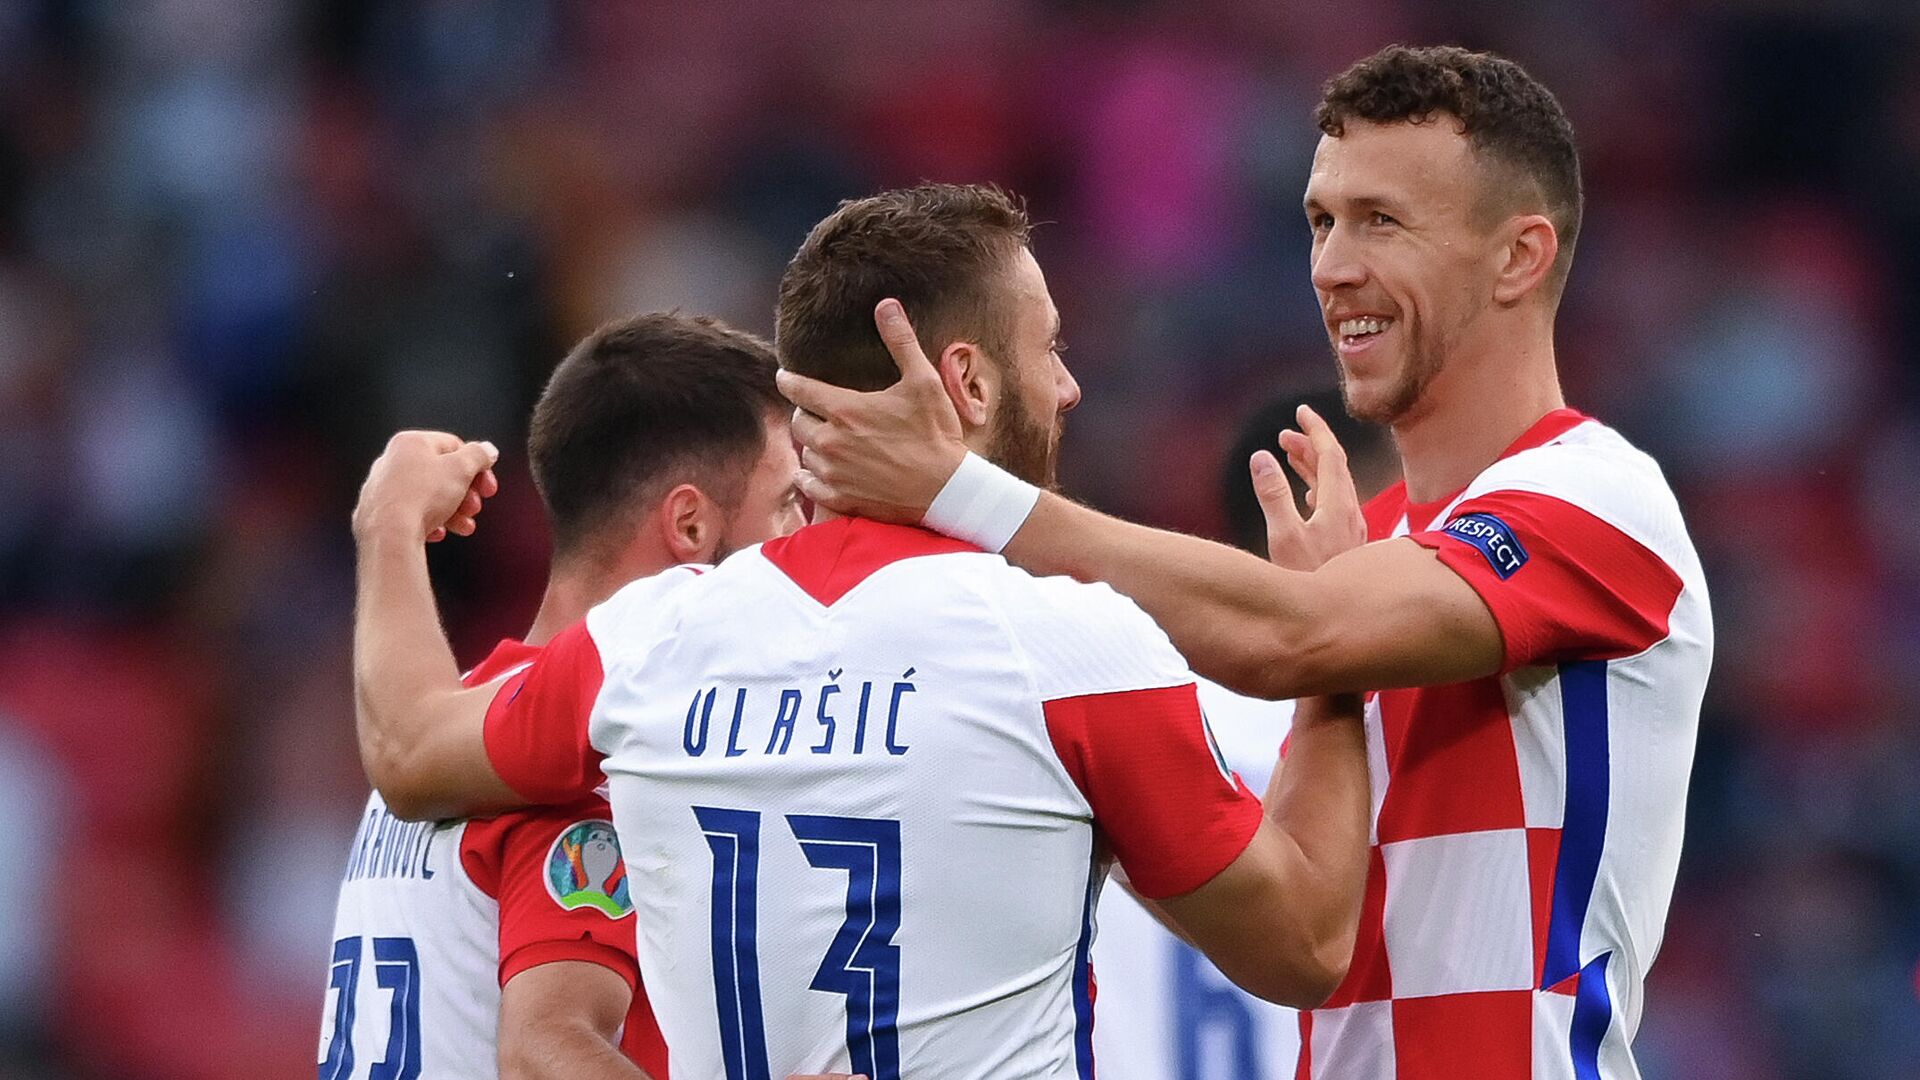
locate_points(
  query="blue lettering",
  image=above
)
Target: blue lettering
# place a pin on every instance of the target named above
(734, 749)
(900, 690)
(426, 852)
(697, 744)
(1494, 539)
(826, 721)
(860, 728)
(783, 722)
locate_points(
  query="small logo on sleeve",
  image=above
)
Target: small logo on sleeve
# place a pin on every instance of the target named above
(1494, 539)
(584, 869)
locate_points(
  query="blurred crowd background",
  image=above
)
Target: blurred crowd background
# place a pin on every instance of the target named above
(241, 243)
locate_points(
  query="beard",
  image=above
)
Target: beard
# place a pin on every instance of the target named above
(1023, 446)
(1425, 358)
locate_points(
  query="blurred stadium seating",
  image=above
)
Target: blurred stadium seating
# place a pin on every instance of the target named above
(241, 243)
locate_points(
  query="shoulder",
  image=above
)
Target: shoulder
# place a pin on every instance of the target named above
(639, 603)
(1085, 638)
(1595, 469)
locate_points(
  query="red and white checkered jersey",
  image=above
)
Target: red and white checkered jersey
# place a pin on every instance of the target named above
(435, 917)
(866, 779)
(1527, 827)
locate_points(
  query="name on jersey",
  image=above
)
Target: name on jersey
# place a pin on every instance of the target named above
(854, 718)
(1494, 539)
(386, 847)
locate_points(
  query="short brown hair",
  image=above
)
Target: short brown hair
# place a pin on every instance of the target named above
(1507, 116)
(942, 250)
(641, 405)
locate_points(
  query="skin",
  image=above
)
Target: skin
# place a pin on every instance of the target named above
(429, 483)
(1409, 224)
(563, 1019)
(1280, 920)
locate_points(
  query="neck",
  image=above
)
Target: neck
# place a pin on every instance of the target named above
(1479, 404)
(574, 589)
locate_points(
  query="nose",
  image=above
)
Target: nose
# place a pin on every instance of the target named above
(1336, 261)
(1066, 388)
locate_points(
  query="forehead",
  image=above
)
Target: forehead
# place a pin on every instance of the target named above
(1428, 165)
(1032, 303)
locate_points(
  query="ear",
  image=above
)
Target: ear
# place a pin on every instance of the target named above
(1527, 258)
(689, 523)
(971, 381)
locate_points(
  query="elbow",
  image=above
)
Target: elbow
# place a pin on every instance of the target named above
(400, 787)
(1302, 970)
(1325, 970)
(1306, 980)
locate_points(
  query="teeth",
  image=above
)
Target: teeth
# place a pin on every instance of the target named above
(1369, 325)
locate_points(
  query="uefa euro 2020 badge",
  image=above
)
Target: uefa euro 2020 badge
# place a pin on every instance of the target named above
(584, 869)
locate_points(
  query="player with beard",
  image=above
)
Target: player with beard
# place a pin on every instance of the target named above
(1533, 609)
(870, 780)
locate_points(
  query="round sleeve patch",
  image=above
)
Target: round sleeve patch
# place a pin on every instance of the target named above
(584, 869)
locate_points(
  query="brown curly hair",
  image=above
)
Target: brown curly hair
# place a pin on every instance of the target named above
(942, 250)
(1507, 116)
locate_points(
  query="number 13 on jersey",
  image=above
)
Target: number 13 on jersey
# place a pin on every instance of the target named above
(862, 964)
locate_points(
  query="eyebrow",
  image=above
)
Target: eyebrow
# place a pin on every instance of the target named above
(1362, 203)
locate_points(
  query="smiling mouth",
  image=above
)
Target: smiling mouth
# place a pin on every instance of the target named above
(1359, 331)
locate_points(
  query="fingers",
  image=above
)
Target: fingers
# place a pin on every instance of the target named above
(902, 344)
(811, 395)
(1274, 492)
(1300, 454)
(807, 428)
(476, 457)
(1330, 477)
(814, 489)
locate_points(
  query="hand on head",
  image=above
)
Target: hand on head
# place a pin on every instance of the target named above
(1334, 523)
(882, 455)
(429, 483)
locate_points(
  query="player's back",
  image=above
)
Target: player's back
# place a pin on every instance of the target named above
(857, 771)
(406, 906)
(434, 917)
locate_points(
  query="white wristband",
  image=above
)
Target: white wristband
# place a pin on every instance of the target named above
(982, 504)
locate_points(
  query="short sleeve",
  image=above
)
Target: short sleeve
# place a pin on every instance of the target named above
(1160, 790)
(1562, 583)
(561, 884)
(537, 724)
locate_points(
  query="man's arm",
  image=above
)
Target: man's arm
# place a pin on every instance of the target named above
(1384, 616)
(1280, 921)
(420, 731)
(562, 1020)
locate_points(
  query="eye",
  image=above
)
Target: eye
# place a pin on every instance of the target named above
(1320, 222)
(1379, 218)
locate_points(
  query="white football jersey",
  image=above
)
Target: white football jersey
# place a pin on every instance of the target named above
(857, 774)
(435, 917)
(1163, 1012)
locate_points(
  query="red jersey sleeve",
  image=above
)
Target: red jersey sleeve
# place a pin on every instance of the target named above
(537, 725)
(1161, 793)
(1562, 583)
(561, 884)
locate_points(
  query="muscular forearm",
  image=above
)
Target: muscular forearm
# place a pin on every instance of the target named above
(1238, 619)
(566, 1048)
(406, 681)
(1380, 617)
(1321, 800)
